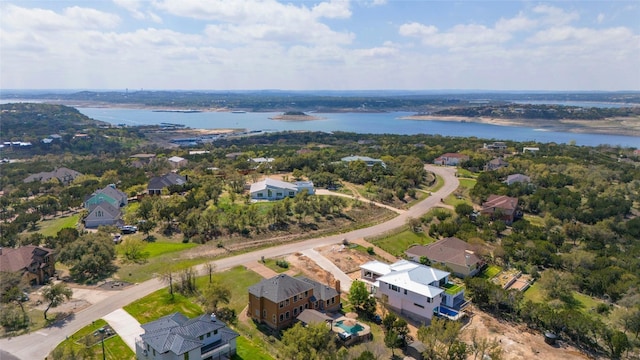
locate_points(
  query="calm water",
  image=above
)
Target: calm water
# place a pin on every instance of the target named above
(387, 123)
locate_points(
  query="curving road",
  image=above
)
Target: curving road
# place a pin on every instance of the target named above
(39, 344)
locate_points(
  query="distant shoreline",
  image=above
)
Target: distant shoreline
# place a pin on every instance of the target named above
(629, 126)
(612, 126)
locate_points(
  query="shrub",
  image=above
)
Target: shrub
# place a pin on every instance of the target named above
(370, 250)
(282, 263)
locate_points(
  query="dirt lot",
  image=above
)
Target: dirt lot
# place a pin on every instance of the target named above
(348, 260)
(518, 342)
(306, 266)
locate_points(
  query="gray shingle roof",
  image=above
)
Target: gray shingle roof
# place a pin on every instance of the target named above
(160, 182)
(178, 334)
(279, 288)
(321, 291)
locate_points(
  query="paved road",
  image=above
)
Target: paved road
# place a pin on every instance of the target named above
(37, 345)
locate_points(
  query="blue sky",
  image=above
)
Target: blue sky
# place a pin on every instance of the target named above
(309, 45)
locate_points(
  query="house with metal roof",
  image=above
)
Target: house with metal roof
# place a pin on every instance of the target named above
(63, 174)
(367, 160)
(272, 189)
(175, 337)
(414, 290)
(103, 214)
(517, 178)
(277, 302)
(450, 159)
(108, 194)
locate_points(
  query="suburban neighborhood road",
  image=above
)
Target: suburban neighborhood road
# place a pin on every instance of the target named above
(38, 345)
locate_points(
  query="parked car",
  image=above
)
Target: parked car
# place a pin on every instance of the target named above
(344, 336)
(129, 229)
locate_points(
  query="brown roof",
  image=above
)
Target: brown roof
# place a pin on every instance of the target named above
(454, 155)
(310, 316)
(12, 260)
(507, 203)
(448, 250)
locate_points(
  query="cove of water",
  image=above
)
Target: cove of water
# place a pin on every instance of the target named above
(369, 123)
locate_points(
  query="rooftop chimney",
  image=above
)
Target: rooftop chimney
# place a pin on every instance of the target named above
(213, 317)
(336, 284)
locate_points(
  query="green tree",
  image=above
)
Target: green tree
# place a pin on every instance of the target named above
(90, 257)
(133, 250)
(56, 294)
(315, 341)
(214, 294)
(360, 298)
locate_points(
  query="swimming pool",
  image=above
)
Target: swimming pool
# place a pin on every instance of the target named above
(448, 312)
(351, 329)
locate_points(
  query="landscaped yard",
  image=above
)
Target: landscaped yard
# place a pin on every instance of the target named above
(490, 271)
(114, 347)
(159, 304)
(452, 289)
(272, 264)
(396, 244)
(249, 351)
(51, 227)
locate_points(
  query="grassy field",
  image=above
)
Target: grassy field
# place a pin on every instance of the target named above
(466, 173)
(247, 350)
(115, 348)
(271, 264)
(237, 280)
(51, 227)
(396, 244)
(585, 303)
(159, 304)
(160, 246)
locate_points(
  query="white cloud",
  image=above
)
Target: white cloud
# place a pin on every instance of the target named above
(336, 9)
(71, 18)
(417, 29)
(555, 16)
(600, 18)
(518, 23)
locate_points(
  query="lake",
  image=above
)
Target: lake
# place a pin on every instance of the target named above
(374, 123)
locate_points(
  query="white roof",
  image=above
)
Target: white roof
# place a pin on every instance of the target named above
(176, 159)
(262, 159)
(408, 275)
(268, 182)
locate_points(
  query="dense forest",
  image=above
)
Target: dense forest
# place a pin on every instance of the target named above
(539, 112)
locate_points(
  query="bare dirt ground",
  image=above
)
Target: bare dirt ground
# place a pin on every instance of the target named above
(348, 260)
(309, 268)
(517, 342)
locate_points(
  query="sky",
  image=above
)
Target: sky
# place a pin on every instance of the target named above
(320, 45)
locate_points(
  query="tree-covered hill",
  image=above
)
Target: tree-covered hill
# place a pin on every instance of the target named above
(40, 120)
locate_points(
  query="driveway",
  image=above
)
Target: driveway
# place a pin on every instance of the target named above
(125, 325)
(47, 339)
(326, 264)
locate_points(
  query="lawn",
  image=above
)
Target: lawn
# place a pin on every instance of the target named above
(396, 244)
(468, 183)
(134, 273)
(114, 347)
(51, 227)
(491, 271)
(158, 248)
(247, 350)
(452, 289)
(586, 303)
(271, 264)
(159, 304)
(464, 173)
(238, 280)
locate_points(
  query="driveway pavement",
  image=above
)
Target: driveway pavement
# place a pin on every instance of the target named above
(125, 325)
(37, 345)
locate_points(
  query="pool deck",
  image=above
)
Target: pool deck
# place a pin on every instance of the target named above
(362, 334)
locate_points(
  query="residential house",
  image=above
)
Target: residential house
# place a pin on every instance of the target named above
(271, 189)
(177, 162)
(108, 194)
(495, 164)
(530, 149)
(517, 178)
(175, 337)
(370, 162)
(414, 290)
(157, 183)
(451, 252)
(498, 145)
(36, 264)
(103, 214)
(63, 174)
(450, 159)
(278, 301)
(501, 207)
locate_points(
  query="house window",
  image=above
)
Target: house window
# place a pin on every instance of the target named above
(215, 332)
(260, 194)
(281, 304)
(286, 302)
(279, 194)
(208, 334)
(306, 293)
(306, 306)
(291, 193)
(405, 291)
(186, 356)
(418, 305)
(333, 300)
(281, 317)
(273, 318)
(99, 213)
(295, 298)
(295, 311)
(300, 308)
(201, 337)
(429, 300)
(394, 288)
(154, 352)
(264, 313)
(286, 315)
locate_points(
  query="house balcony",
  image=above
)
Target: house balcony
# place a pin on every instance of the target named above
(453, 296)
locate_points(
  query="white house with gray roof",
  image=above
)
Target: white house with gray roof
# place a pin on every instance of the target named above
(175, 337)
(414, 290)
(271, 189)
